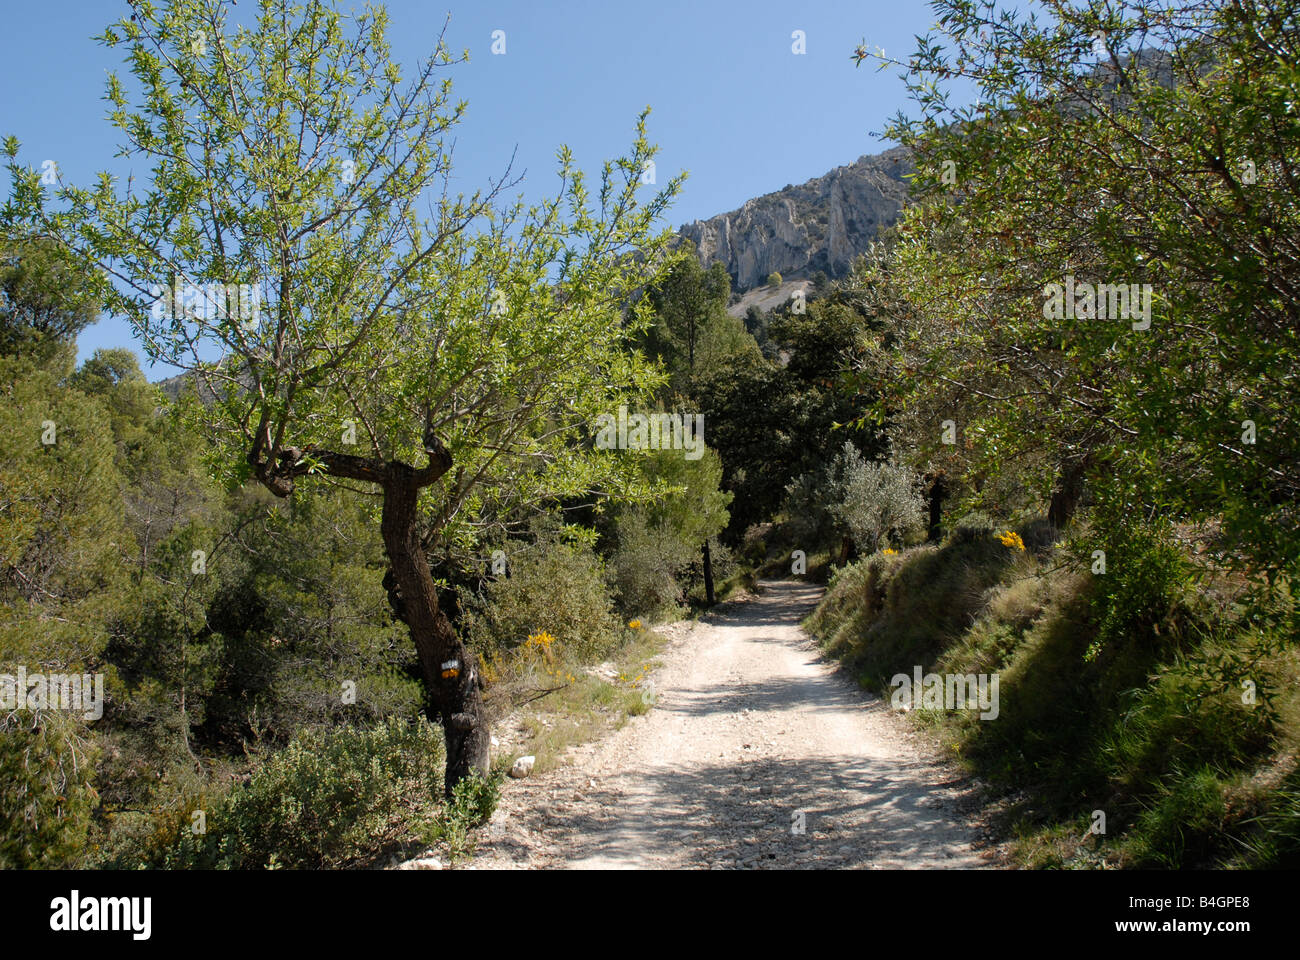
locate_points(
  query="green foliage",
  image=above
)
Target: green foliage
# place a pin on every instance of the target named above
(807, 510)
(875, 501)
(1272, 834)
(774, 279)
(726, 341)
(770, 424)
(747, 418)
(690, 328)
(450, 356)
(47, 792)
(690, 501)
(822, 343)
(46, 297)
(98, 533)
(853, 600)
(553, 586)
(1134, 729)
(315, 577)
(658, 543)
(906, 608)
(62, 537)
(351, 267)
(1145, 578)
(291, 609)
(869, 502)
(1122, 690)
(342, 798)
(647, 566)
(473, 801)
(1182, 822)
(114, 378)
(756, 325)
(1173, 113)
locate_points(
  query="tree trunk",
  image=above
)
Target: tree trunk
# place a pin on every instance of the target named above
(937, 494)
(1066, 495)
(451, 675)
(708, 575)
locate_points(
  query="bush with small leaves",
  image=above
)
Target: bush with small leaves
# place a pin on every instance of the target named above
(46, 791)
(648, 565)
(554, 586)
(875, 500)
(342, 798)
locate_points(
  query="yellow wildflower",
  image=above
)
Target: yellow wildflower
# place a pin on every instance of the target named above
(1012, 539)
(541, 640)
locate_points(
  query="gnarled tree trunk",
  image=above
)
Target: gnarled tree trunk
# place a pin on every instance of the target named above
(451, 672)
(451, 675)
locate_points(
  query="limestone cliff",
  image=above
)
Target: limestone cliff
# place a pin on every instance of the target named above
(819, 225)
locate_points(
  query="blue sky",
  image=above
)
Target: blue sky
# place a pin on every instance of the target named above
(732, 104)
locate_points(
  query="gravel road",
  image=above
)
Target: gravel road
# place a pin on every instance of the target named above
(757, 754)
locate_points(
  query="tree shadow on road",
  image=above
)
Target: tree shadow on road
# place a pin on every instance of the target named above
(816, 813)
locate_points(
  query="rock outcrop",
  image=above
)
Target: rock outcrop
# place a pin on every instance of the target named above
(819, 225)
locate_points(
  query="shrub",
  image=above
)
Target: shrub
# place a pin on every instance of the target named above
(1145, 578)
(554, 587)
(647, 565)
(341, 798)
(46, 793)
(659, 559)
(1146, 725)
(890, 611)
(875, 500)
(809, 520)
(869, 502)
(971, 527)
(472, 802)
(774, 279)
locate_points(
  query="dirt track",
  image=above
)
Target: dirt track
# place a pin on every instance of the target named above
(751, 733)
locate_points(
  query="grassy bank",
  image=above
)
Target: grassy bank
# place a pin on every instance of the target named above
(1127, 693)
(546, 719)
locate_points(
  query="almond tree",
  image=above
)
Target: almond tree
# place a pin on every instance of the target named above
(443, 352)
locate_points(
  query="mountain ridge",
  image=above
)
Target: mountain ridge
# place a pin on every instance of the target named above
(819, 225)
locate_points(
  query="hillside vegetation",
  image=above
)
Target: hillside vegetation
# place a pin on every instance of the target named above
(1041, 437)
(1084, 330)
(1187, 773)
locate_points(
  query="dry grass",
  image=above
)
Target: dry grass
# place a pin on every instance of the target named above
(549, 714)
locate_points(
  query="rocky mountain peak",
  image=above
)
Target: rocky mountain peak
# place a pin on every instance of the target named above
(819, 225)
